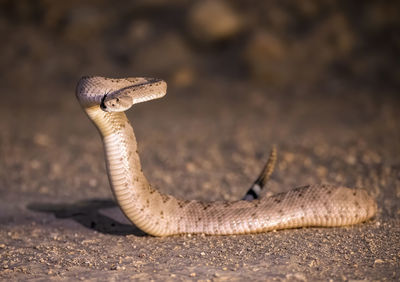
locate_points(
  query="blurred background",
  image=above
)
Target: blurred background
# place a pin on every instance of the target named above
(275, 43)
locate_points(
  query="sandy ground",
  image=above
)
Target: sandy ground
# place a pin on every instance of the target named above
(321, 81)
(58, 219)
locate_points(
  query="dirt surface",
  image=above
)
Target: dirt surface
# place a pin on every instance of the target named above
(334, 117)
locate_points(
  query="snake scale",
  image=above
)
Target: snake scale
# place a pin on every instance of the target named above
(105, 100)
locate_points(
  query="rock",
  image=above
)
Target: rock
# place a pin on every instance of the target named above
(211, 21)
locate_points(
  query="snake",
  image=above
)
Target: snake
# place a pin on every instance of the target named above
(105, 101)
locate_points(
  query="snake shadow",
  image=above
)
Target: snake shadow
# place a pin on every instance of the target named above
(92, 214)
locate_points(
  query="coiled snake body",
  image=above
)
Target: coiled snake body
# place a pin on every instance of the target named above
(105, 100)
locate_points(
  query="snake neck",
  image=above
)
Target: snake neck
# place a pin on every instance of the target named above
(129, 185)
(119, 144)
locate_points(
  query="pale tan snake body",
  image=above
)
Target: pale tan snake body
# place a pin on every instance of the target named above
(105, 99)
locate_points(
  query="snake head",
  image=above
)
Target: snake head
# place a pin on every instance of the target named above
(122, 99)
